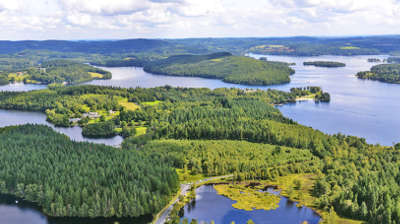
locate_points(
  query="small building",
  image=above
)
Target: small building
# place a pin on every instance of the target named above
(91, 115)
(74, 120)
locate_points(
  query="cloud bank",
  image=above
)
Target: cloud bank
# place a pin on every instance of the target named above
(116, 19)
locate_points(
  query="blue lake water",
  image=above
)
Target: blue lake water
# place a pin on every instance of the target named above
(210, 206)
(361, 108)
(21, 87)
(12, 117)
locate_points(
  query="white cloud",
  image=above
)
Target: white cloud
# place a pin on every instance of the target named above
(105, 7)
(8, 5)
(94, 19)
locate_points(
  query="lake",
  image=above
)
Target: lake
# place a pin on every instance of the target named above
(361, 108)
(12, 117)
(211, 206)
(21, 87)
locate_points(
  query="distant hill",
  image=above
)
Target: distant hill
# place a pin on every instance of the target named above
(103, 47)
(297, 46)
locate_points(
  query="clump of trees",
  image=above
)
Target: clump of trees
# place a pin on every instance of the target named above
(104, 129)
(327, 64)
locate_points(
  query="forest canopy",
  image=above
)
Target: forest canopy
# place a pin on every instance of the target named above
(74, 179)
(232, 69)
(200, 131)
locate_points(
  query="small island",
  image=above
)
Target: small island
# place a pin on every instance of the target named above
(310, 93)
(373, 60)
(224, 66)
(326, 64)
(389, 73)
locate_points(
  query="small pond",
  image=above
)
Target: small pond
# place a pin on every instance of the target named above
(210, 206)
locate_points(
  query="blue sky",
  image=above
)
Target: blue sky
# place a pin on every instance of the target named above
(117, 19)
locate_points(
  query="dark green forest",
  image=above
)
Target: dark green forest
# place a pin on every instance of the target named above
(232, 69)
(389, 73)
(202, 131)
(81, 179)
(243, 159)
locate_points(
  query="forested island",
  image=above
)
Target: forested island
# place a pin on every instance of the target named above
(197, 131)
(55, 71)
(311, 92)
(389, 73)
(374, 60)
(225, 66)
(326, 64)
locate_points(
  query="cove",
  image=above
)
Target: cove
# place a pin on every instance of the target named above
(12, 117)
(209, 206)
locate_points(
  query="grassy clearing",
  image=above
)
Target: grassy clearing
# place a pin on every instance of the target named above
(275, 46)
(151, 103)
(248, 199)
(216, 60)
(17, 77)
(96, 75)
(308, 97)
(349, 48)
(187, 177)
(141, 131)
(128, 105)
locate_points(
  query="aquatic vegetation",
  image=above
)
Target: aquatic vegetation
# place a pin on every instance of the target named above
(248, 199)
